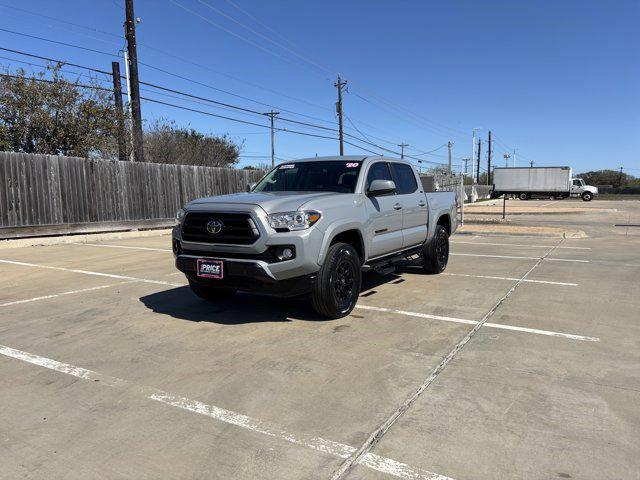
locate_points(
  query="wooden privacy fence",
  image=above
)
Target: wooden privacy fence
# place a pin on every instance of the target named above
(47, 190)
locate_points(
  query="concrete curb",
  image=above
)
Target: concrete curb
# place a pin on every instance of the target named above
(525, 233)
(81, 238)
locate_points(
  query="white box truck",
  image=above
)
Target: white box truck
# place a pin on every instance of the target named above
(541, 182)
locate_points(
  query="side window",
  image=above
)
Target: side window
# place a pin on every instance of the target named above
(576, 183)
(405, 178)
(378, 171)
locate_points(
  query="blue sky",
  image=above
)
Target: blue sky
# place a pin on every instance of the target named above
(559, 81)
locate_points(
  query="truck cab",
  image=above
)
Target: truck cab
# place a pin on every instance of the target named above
(580, 189)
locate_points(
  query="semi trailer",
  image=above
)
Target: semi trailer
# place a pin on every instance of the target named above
(540, 182)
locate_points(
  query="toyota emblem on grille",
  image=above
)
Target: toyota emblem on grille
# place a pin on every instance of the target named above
(214, 227)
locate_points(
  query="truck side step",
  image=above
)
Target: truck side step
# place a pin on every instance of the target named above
(385, 269)
(388, 263)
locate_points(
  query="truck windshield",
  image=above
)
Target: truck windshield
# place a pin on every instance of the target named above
(321, 176)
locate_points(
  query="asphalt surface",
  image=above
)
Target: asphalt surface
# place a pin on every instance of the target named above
(521, 362)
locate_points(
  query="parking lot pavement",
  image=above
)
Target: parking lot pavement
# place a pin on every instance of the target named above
(111, 367)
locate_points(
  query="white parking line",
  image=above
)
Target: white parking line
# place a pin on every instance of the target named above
(99, 274)
(70, 292)
(519, 258)
(500, 326)
(372, 461)
(376, 435)
(548, 282)
(125, 246)
(517, 245)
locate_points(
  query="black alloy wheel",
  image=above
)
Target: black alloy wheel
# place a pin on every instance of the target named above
(435, 255)
(343, 283)
(337, 285)
(442, 250)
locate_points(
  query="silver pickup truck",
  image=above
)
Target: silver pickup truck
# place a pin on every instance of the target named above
(312, 226)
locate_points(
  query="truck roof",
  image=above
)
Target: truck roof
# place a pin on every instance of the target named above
(347, 158)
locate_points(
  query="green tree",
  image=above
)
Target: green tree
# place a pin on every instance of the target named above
(165, 142)
(52, 115)
(607, 177)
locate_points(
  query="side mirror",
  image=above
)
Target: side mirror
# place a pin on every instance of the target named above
(250, 186)
(381, 187)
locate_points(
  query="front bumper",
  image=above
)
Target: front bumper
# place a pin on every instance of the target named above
(249, 276)
(307, 244)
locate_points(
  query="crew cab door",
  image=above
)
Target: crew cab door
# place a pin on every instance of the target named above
(384, 229)
(415, 213)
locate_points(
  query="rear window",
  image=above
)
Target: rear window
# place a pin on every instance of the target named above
(405, 178)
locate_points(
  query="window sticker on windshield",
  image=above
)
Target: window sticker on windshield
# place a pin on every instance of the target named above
(290, 165)
(353, 165)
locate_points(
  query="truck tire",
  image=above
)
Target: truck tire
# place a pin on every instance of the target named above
(436, 253)
(211, 293)
(587, 196)
(338, 284)
(524, 196)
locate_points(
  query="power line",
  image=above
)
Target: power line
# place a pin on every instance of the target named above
(59, 20)
(179, 58)
(327, 69)
(211, 101)
(265, 37)
(162, 70)
(178, 76)
(36, 37)
(19, 52)
(45, 80)
(231, 32)
(235, 5)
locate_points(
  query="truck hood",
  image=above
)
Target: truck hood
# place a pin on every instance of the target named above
(270, 202)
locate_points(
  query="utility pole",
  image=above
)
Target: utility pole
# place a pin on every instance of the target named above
(450, 144)
(466, 163)
(620, 178)
(271, 116)
(117, 98)
(531, 163)
(514, 158)
(473, 154)
(479, 146)
(506, 156)
(489, 160)
(339, 84)
(402, 145)
(134, 87)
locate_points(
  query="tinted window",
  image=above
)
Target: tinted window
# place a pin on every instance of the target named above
(321, 176)
(378, 171)
(405, 178)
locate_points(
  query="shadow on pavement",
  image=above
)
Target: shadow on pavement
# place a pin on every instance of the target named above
(243, 308)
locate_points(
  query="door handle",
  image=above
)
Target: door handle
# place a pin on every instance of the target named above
(421, 203)
(397, 206)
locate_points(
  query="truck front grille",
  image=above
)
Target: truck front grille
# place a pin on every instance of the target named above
(235, 229)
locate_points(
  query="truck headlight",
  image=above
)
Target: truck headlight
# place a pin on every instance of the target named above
(180, 216)
(299, 220)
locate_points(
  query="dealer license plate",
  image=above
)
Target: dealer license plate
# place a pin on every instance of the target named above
(210, 268)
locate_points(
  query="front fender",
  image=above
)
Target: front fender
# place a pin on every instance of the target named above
(336, 228)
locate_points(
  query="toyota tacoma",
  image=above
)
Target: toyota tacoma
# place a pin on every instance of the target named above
(311, 227)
